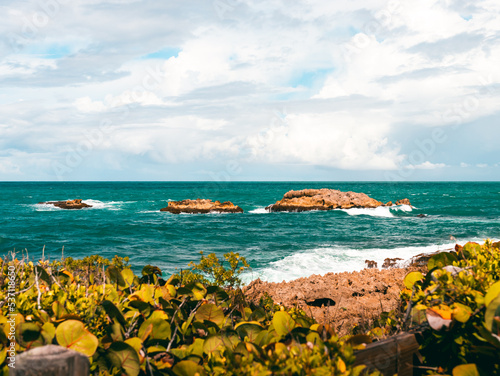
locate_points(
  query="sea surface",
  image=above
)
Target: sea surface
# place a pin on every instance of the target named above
(126, 220)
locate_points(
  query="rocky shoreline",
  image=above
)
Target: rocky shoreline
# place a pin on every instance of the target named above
(342, 300)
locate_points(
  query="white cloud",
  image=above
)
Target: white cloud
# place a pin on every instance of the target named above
(353, 76)
(429, 166)
(332, 139)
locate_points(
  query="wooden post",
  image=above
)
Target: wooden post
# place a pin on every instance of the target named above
(390, 356)
(51, 360)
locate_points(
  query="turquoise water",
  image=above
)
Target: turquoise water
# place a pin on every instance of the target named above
(126, 220)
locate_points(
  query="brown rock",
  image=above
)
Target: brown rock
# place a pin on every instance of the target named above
(390, 262)
(70, 204)
(389, 203)
(341, 300)
(370, 264)
(201, 206)
(322, 199)
(404, 201)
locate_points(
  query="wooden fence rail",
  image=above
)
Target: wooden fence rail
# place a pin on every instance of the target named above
(390, 356)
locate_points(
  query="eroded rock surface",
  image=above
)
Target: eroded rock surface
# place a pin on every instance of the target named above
(70, 204)
(325, 199)
(342, 300)
(201, 206)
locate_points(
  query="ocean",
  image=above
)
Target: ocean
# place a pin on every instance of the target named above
(126, 220)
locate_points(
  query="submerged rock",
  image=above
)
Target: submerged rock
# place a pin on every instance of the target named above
(70, 204)
(201, 206)
(325, 199)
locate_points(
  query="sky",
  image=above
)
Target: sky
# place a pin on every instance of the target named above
(233, 90)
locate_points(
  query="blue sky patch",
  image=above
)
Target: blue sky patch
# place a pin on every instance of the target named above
(164, 53)
(310, 79)
(51, 51)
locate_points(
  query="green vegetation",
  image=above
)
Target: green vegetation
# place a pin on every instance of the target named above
(199, 322)
(146, 325)
(459, 297)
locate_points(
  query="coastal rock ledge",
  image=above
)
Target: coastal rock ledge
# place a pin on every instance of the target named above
(326, 199)
(201, 206)
(69, 204)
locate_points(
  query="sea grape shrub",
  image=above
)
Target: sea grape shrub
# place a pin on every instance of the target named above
(146, 325)
(216, 272)
(459, 298)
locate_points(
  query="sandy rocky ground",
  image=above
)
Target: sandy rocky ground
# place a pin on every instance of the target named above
(342, 300)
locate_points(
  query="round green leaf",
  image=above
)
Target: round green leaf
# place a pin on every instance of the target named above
(128, 277)
(250, 330)
(461, 312)
(411, 278)
(440, 260)
(212, 343)
(210, 312)
(283, 323)
(28, 335)
(155, 329)
(73, 335)
(465, 370)
(188, 368)
(125, 357)
(492, 312)
(492, 293)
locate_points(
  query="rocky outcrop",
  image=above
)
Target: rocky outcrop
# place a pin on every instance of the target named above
(201, 206)
(404, 201)
(324, 199)
(70, 204)
(343, 299)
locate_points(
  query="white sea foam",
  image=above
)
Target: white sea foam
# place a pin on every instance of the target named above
(336, 260)
(405, 208)
(45, 207)
(110, 205)
(259, 211)
(381, 211)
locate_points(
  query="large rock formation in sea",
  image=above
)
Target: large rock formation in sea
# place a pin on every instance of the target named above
(69, 204)
(201, 206)
(325, 199)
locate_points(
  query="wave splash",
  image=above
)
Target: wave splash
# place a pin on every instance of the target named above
(381, 211)
(259, 211)
(336, 260)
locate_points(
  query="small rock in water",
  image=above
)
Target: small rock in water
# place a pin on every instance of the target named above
(69, 204)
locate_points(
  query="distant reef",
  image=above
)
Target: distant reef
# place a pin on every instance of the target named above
(69, 204)
(326, 199)
(201, 206)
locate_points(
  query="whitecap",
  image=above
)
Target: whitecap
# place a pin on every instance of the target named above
(405, 208)
(110, 205)
(259, 211)
(45, 207)
(381, 211)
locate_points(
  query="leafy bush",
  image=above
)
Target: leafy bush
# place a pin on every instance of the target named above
(146, 325)
(459, 297)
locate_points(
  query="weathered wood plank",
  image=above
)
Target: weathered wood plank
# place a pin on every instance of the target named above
(390, 356)
(51, 360)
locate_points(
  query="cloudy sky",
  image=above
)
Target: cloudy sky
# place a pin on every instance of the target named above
(249, 90)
